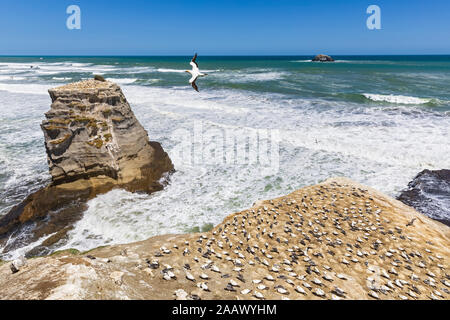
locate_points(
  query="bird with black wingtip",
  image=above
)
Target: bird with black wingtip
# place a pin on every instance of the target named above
(195, 73)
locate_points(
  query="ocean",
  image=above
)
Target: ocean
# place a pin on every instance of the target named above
(379, 120)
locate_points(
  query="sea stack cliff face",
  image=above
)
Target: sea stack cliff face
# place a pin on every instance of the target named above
(94, 143)
(91, 134)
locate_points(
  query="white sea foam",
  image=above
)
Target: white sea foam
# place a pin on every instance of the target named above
(12, 255)
(27, 88)
(164, 70)
(23, 165)
(249, 76)
(180, 99)
(149, 81)
(134, 70)
(61, 78)
(122, 80)
(77, 64)
(12, 78)
(396, 99)
(47, 69)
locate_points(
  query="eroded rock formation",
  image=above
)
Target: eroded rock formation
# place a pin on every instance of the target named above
(94, 143)
(323, 58)
(91, 132)
(429, 193)
(335, 240)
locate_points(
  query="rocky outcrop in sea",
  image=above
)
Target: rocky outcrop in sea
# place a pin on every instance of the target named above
(322, 58)
(336, 240)
(94, 143)
(429, 193)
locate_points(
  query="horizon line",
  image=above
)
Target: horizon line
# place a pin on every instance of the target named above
(219, 55)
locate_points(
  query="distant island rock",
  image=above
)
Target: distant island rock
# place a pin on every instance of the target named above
(429, 193)
(322, 58)
(94, 144)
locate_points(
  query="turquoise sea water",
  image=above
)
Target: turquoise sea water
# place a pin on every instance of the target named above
(376, 119)
(346, 80)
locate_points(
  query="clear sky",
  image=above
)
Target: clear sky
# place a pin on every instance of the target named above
(263, 27)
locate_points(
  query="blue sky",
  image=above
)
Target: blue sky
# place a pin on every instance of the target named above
(263, 27)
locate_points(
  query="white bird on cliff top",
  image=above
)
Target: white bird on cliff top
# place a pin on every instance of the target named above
(195, 73)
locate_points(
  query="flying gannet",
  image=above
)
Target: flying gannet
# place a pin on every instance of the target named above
(195, 73)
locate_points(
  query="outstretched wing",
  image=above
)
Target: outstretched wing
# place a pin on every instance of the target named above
(194, 62)
(194, 85)
(193, 78)
(194, 59)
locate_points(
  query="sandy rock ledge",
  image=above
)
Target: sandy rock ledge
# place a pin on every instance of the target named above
(335, 240)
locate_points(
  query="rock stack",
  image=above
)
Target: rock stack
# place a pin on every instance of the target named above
(94, 143)
(92, 135)
(322, 58)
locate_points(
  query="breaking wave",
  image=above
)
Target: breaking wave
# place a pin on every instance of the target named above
(397, 99)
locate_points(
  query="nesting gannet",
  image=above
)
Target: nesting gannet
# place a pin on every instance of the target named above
(195, 72)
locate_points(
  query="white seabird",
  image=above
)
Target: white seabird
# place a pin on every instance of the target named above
(195, 73)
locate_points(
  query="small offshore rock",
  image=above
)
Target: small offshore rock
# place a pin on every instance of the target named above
(322, 58)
